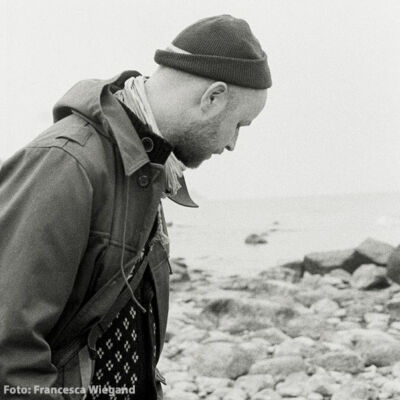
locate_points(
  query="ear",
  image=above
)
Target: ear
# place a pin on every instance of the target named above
(214, 99)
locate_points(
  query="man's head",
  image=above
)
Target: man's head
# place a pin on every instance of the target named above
(212, 80)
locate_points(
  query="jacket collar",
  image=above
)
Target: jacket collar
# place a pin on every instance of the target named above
(105, 112)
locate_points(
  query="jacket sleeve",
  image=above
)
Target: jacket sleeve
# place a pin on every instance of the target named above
(45, 209)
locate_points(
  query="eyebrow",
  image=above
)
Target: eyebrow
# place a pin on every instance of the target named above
(245, 123)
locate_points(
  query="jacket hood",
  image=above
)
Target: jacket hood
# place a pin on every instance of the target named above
(93, 100)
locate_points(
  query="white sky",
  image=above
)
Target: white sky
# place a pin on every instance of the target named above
(332, 121)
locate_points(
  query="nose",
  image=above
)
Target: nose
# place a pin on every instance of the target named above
(231, 146)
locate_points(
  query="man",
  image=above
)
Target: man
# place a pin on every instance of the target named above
(83, 247)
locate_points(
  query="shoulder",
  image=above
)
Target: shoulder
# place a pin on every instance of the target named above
(76, 137)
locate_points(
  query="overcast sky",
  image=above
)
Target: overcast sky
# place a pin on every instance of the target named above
(332, 121)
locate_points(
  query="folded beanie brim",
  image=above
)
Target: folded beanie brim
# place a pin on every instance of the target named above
(250, 73)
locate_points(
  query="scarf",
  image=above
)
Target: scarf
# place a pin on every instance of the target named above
(133, 95)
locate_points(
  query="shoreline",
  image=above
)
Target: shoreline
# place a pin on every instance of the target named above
(286, 333)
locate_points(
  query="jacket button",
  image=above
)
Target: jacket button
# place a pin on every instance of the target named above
(148, 144)
(143, 181)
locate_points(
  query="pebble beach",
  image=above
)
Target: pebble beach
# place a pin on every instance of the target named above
(323, 327)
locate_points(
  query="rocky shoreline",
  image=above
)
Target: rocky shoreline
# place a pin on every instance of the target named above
(325, 327)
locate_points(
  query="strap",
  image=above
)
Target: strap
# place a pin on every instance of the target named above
(122, 299)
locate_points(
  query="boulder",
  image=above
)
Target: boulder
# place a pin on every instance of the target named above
(341, 361)
(253, 384)
(311, 325)
(235, 394)
(376, 347)
(294, 385)
(209, 385)
(279, 367)
(375, 251)
(356, 390)
(272, 335)
(322, 383)
(221, 360)
(377, 321)
(266, 394)
(325, 307)
(296, 268)
(176, 394)
(239, 314)
(255, 239)
(325, 262)
(393, 265)
(369, 276)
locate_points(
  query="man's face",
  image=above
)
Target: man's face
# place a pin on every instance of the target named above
(201, 139)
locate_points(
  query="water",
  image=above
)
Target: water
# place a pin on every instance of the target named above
(212, 237)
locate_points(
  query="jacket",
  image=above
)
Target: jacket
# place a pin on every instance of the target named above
(76, 205)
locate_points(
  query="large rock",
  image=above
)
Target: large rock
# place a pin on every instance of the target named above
(294, 385)
(324, 262)
(393, 265)
(272, 335)
(236, 315)
(376, 347)
(341, 361)
(209, 385)
(252, 384)
(321, 382)
(266, 394)
(311, 325)
(354, 390)
(279, 366)
(375, 251)
(221, 360)
(369, 276)
(255, 239)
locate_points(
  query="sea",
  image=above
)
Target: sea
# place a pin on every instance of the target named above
(212, 237)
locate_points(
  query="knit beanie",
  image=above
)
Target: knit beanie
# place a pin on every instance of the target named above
(220, 48)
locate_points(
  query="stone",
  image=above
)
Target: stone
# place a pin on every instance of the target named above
(255, 239)
(236, 315)
(377, 320)
(369, 276)
(321, 383)
(297, 269)
(180, 395)
(279, 366)
(272, 335)
(258, 348)
(276, 287)
(306, 325)
(178, 376)
(185, 386)
(209, 385)
(221, 360)
(393, 307)
(393, 265)
(396, 370)
(325, 262)
(300, 346)
(355, 390)
(325, 307)
(252, 384)
(375, 251)
(392, 388)
(266, 394)
(341, 361)
(235, 394)
(294, 385)
(315, 396)
(376, 347)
